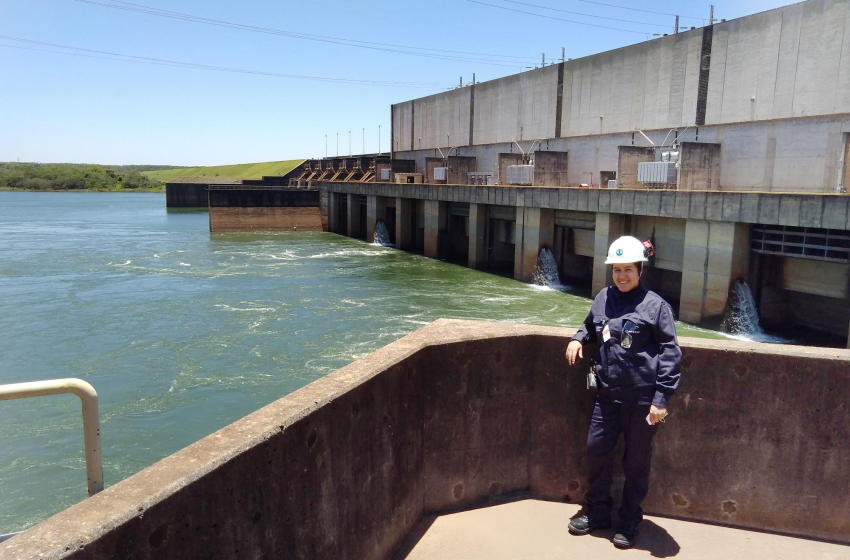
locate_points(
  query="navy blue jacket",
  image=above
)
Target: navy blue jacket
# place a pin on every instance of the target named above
(646, 373)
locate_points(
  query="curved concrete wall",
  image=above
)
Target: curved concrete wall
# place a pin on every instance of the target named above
(461, 413)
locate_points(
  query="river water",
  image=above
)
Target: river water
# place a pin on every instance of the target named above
(182, 331)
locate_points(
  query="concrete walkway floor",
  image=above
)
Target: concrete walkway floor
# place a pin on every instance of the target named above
(537, 530)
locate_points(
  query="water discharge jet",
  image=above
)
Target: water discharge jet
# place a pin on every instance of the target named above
(741, 315)
(382, 235)
(546, 271)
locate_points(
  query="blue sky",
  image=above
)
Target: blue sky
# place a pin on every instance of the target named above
(61, 108)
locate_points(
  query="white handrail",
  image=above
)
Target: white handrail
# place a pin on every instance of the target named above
(91, 421)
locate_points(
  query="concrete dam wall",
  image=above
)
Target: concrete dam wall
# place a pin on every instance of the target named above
(455, 416)
(247, 208)
(770, 89)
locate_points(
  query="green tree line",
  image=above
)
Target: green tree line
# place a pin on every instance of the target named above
(74, 177)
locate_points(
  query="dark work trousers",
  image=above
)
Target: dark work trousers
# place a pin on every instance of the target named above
(608, 420)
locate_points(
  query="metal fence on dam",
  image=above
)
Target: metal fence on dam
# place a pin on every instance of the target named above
(457, 415)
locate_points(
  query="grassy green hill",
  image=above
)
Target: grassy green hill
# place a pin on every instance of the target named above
(238, 171)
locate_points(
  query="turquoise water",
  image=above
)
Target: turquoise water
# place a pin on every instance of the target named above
(182, 331)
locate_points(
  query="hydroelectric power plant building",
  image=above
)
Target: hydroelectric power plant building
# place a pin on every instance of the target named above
(464, 414)
(754, 114)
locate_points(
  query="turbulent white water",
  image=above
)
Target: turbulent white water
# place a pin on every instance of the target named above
(742, 317)
(741, 320)
(382, 235)
(546, 270)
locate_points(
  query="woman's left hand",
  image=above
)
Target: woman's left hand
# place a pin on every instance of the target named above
(656, 414)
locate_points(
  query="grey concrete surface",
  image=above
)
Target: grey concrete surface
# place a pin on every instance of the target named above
(808, 210)
(776, 101)
(537, 530)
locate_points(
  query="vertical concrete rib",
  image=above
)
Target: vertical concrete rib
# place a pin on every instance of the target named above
(471, 113)
(704, 66)
(559, 104)
(412, 125)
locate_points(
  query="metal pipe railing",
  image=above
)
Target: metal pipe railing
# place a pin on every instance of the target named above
(91, 420)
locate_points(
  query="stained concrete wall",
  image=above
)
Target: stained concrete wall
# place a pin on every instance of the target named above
(266, 219)
(699, 166)
(256, 197)
(271, 209)
(186, 195)
(535, 229)
(461, 413)
(505, 161)
(715, 255)
(550, 169)
(628, 158)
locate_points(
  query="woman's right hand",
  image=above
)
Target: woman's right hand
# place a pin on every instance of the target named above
(574, 348)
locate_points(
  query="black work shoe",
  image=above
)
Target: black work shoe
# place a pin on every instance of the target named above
(625, 537)
(583, 525)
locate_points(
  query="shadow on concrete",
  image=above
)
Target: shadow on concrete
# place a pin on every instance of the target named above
(414, 537)
(651, 537)
(656, 540)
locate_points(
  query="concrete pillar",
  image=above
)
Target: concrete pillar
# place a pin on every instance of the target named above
(477, 235)
(371, 217)
(609, 227)
(331, 211)
(436, 214)
(376, 209)
(535, 228)
(716, 254)
(333, 202)
(404, 223)
(353, 215)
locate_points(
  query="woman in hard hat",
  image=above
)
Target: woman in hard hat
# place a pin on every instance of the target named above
(638, 365)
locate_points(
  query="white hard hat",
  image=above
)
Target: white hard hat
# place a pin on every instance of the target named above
(627, 249)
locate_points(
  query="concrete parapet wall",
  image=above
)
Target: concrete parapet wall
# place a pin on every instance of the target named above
(186, 195)
(460, 413)
(267, 209)
(267, 219)
(263, 197)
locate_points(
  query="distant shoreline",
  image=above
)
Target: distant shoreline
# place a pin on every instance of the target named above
(130, 191)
